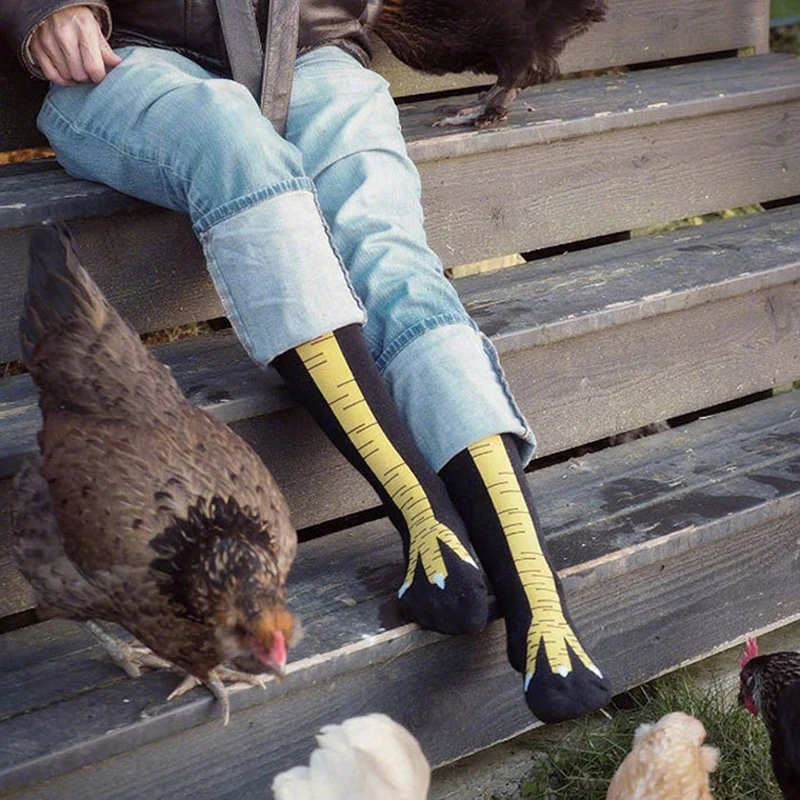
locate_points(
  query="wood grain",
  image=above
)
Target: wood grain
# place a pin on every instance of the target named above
(708, 136)
(636, 31)
(647, 604)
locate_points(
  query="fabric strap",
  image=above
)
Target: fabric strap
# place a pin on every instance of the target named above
(266, 73)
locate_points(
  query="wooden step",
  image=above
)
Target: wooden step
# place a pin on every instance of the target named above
(593, 343)
(636, 31)
(690, 140)
(671, 547)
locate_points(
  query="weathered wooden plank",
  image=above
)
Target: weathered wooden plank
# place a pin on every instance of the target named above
(42, 189)
(659, 367)
(149, 263)
(707, 144)
(684, 591)
(593, 343)
(590, 106)
(590, 185)
(636, 31)
(583, 292)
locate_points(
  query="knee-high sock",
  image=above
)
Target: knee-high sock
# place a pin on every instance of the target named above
(335, 378)
(488, 486)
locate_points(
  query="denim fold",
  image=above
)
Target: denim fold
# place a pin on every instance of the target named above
(302, 234)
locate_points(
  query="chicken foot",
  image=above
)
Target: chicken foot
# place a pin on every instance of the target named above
(215, 683)
(132, 658)
(128, 657)
(491, 107)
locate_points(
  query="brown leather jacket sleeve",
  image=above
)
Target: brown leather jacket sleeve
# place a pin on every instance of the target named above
(20, 18)
(191, 27)
(337, 22)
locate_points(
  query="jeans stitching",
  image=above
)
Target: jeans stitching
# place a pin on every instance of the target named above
(411, 334)
(497, 367)
(218, 277)
(146, 159)
(239, 204)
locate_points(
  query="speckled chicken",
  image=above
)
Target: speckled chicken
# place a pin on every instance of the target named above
(141, 509)
(769, 685)
(519, 41)
(668, 761)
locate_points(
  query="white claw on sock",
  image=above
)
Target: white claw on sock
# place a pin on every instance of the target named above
(527, 681)
(594, 669)
(438, 579)
(564, 670)
(403, 589)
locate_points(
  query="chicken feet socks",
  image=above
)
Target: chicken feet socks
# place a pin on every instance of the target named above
(335, 378)
(488, 486)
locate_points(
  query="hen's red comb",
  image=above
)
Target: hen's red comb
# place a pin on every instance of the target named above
(750, 651)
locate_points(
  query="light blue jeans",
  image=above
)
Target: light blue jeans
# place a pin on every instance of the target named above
(302, 235)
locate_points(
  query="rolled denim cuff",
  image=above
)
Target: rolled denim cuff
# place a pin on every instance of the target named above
(278, 275)
(451, 391)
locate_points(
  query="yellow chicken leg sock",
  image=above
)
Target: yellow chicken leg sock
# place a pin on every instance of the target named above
(487, 484)
(335, 378)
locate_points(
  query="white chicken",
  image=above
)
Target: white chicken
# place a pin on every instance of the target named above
(364, 758)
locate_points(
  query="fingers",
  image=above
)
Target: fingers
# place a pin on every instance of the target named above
(110, 58)
(70, 48)
(89, 60)
(47, 65)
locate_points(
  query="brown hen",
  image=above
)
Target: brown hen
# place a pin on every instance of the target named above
(519, 41)
(668, 761)
(141, 509)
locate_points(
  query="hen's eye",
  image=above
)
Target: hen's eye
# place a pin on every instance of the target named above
(240, 630)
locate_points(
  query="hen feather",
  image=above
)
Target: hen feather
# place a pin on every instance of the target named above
(364, 758)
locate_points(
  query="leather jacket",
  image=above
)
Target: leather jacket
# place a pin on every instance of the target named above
(190, 27)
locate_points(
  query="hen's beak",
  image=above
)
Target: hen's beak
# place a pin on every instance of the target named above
(274, 658)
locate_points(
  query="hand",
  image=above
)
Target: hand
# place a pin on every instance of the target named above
(69, 47)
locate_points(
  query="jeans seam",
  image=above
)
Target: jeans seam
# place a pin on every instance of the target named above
(329, 235)
(239, 204)
(411, 334)
(494, 361)
(81, 131)
(218, 276)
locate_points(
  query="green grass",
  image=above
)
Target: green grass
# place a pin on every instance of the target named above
(579, 764)
(784, 8)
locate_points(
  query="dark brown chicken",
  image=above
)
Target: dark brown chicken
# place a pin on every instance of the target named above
(142, 509)
(770, 685)
(519, 41)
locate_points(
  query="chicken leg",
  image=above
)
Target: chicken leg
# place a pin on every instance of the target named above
(128, 657)
(215, 681)
(492, 107)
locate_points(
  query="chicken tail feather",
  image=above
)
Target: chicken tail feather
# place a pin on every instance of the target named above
(59, 289)
(69, 331)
